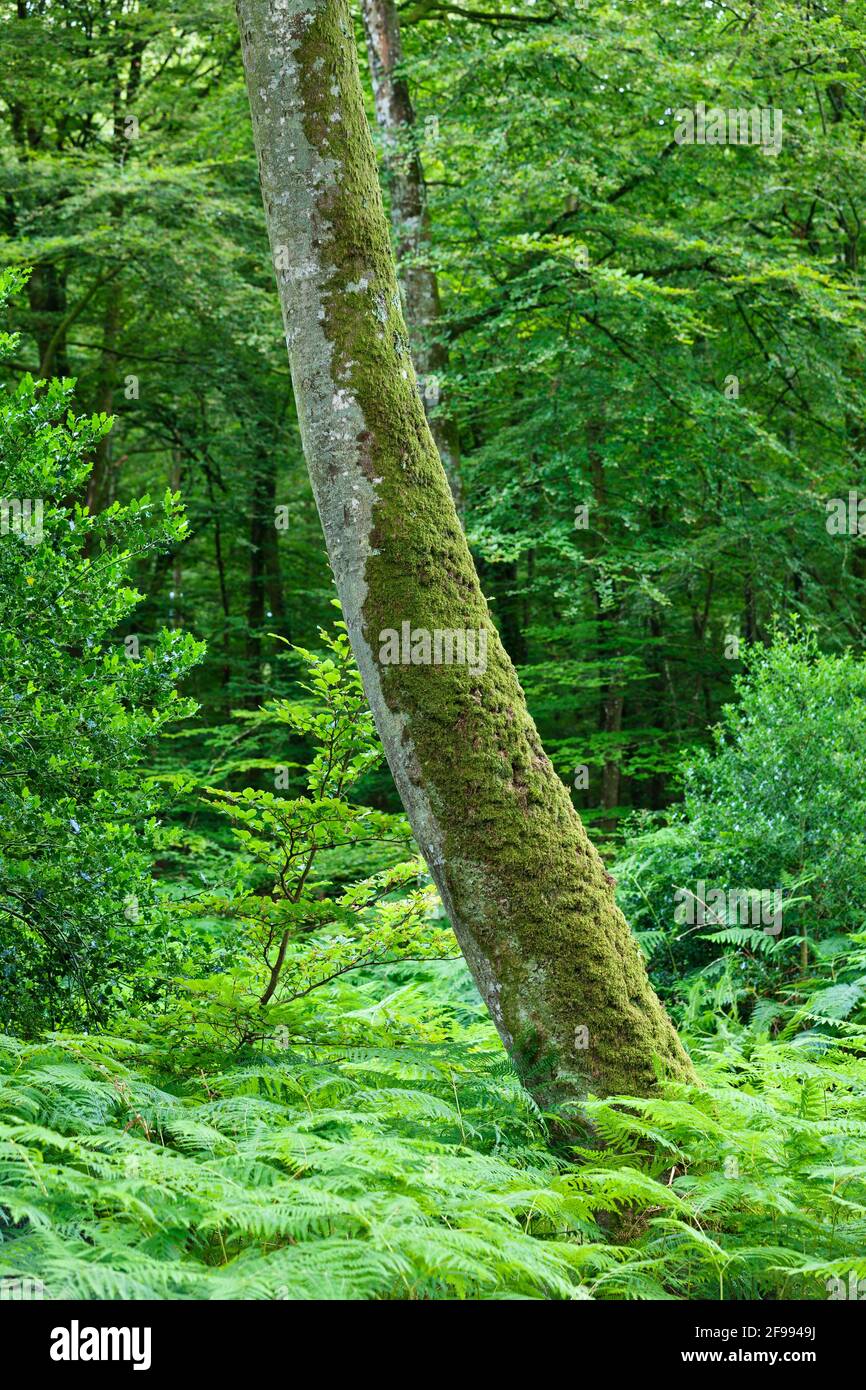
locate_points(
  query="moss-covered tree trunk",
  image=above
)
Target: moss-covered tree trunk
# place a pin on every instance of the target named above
(526, 892)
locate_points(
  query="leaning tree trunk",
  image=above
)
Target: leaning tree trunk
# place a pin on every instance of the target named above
(527, 894)
(410, 218)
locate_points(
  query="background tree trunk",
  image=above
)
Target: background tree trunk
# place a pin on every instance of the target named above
(526, 892)
(410, 219)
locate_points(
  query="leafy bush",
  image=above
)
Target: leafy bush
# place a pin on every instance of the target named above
(777, 805)
(78, 915)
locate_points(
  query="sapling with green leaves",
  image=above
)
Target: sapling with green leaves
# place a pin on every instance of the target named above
(300, 924)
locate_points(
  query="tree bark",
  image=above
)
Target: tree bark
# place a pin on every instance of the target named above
(410, 219)
(102, 483)
(266, 610)
(607, 619)
(527, 894)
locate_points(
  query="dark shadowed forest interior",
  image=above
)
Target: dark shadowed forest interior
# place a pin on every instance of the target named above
(432, 880)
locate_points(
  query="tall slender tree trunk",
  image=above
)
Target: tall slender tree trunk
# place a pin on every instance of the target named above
(410, 219)
(266, 610)
(851, 226)
(607, 620)
(176, 603)
(102, 484)
(261, 514)
(526, 892)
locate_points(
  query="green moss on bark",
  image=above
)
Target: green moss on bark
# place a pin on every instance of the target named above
(530, 900)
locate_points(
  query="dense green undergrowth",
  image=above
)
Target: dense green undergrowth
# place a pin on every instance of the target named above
(389, 1152)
